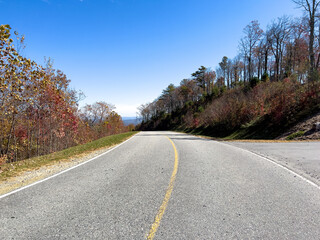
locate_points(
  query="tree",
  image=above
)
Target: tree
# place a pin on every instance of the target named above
(310, 7)
(209, 78)
(185, 90)
(168, 97)
(189, 90)
(199, 77)
(266, 44)
(144, 112)
(38, 111)
(279, 32)
(253, 34)
(296, 60)
(224, 65)
(259, 55)
(97, 112)
(236, 70)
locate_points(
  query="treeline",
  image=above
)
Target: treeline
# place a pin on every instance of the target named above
(39, 112)
(275, 76)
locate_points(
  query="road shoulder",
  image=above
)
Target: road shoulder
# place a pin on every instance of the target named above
(31, 176)
(299, 157)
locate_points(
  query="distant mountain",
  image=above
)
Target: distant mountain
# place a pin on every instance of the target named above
(131, 120)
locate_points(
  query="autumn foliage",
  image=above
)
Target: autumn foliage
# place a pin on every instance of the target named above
(271, 84)
(39, 113)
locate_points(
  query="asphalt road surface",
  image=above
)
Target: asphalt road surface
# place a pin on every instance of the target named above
(301, 157)
(144, 189)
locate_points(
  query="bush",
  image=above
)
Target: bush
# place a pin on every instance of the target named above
(265, 77)
(314, 76)
(189, 104)
(215, 91)
(254, 82)
(295, 135)
(279, 103)
(200, 109)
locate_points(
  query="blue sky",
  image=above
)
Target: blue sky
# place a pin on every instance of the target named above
(125, 52)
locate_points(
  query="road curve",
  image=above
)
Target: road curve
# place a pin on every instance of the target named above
(219, 192)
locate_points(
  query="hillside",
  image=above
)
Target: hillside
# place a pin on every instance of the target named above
(269, 87)
(269, 110)
(304, 130)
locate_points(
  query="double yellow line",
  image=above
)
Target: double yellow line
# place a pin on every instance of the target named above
(165, 201)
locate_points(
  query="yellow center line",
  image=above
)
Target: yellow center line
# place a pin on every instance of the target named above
(165, 201)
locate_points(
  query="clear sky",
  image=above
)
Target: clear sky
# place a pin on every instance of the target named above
(125, 52)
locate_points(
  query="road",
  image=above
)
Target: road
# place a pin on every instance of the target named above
(302, 157)
(144, 189)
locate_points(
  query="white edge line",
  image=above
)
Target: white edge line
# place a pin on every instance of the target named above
(269, 160)
(263, 157)
(275, 162)
(64, 171)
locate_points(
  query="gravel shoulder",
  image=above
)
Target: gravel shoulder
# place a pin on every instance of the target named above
(31, 176)
(301, 157)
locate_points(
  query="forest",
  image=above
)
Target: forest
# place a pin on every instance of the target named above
(39, 112)
(272, 83)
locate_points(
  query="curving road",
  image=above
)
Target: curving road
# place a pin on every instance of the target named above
(219, 191)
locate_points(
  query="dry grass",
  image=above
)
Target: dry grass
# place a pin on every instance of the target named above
(9, 170)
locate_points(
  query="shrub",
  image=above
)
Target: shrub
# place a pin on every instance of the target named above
(295, 135)
(254, 82)
(189, 104)
(200, 109)
(265, 77)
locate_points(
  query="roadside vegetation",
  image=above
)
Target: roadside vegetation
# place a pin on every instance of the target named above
(39, 112)
(273, 83)
(8, 170)
(295, 135)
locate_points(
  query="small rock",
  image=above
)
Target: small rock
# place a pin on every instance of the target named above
(316, 126)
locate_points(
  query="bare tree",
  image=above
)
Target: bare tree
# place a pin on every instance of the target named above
(261, 53)
(96, 113)
(310, 7)
(236, 69)
(144, 112)
(223, 66)
(209, 78)
(280, 33)
(229, 73)
(248, 43)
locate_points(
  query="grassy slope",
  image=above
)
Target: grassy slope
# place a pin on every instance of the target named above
(13, 169)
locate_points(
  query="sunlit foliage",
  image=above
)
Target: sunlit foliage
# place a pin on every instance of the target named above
(274, 77)
(38, 111)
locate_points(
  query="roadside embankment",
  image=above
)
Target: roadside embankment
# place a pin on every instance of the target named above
(19, 174)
